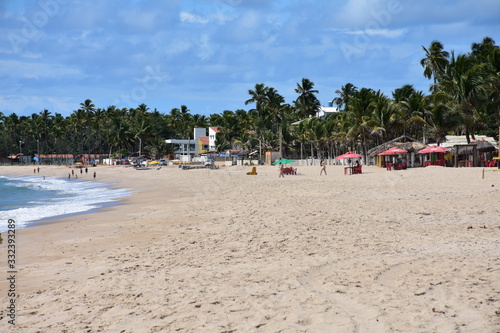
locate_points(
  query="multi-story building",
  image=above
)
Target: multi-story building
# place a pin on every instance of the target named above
(199, 144)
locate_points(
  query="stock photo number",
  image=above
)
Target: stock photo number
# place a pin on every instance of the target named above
(11, 273)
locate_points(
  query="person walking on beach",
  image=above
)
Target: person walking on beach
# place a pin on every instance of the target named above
(81, 171)
(86, 170)
(69, 176)
(34, 170)
(38, 169)
(94, 174)
(281, 171)
(323, 167)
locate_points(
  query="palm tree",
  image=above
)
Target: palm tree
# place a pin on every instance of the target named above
(307, 103)
(435, 61)
(382, 115)
(300, 133)
(258, 96)
(443, 121)
(345, 93)
(412, 106)
(465, 85)
(482, 51)
(360, 112)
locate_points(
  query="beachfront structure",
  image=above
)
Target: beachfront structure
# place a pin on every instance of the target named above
(199, 144)
(321, 113)
(325, 111)
(212, 135)
(452, 140)
(405, 142)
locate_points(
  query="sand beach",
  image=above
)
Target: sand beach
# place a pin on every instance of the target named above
(414, 250)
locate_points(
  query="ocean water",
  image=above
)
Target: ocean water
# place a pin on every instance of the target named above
(31, 199)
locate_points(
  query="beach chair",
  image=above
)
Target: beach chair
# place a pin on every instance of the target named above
(253, 172)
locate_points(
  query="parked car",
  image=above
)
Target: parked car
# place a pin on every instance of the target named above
(163, 162)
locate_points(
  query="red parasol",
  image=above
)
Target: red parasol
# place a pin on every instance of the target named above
(349, 155)
(393, 151)
(433, 149)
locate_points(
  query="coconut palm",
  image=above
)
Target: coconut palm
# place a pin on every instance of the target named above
(345, 93)
(306, 104)
(412, 108)
(465, 85)
(360, 113)
(435, 61)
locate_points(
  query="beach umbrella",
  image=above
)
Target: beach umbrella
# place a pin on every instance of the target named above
(393, 151)
(485, 146)
(283, 161)
(433, 149)
(349, 155)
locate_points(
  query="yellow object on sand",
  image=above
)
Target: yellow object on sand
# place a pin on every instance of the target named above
(253, 172)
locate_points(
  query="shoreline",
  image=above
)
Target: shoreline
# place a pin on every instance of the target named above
(215, 250)
(92, 207)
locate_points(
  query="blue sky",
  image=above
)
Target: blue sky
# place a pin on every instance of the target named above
(207, 54)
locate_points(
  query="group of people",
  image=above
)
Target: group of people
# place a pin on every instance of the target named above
(37, 170)
(81, 172)
(322, 164)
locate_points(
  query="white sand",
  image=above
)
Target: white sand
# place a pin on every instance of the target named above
(219, 251)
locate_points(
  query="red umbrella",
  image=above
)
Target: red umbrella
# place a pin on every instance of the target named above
(432, 149)
(393, 151)
(349, 155)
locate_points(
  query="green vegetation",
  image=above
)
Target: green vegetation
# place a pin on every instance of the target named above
(464, 100)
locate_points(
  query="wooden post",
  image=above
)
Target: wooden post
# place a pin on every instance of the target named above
(456, 156)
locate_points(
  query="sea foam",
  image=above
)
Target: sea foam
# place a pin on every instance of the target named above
(31, 199)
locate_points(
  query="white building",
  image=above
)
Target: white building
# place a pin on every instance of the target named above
(212, 132)
(325, 111)
(191, 147)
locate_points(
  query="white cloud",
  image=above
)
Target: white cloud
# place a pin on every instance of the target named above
(28, 70)
(177, 46)
(27, 104)
(206, 48)
(379, 32)
(192, 18)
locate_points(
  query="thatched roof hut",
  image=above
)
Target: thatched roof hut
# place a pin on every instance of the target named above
(404, 142)
(468, 149)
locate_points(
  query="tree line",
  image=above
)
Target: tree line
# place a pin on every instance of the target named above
(463, 99)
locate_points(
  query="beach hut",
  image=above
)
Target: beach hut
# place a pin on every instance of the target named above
(436, 155)
(407, 143)
(477, 153)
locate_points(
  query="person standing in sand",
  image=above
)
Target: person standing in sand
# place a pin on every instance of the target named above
(281, 171)
(323, 167)
(94, 174)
